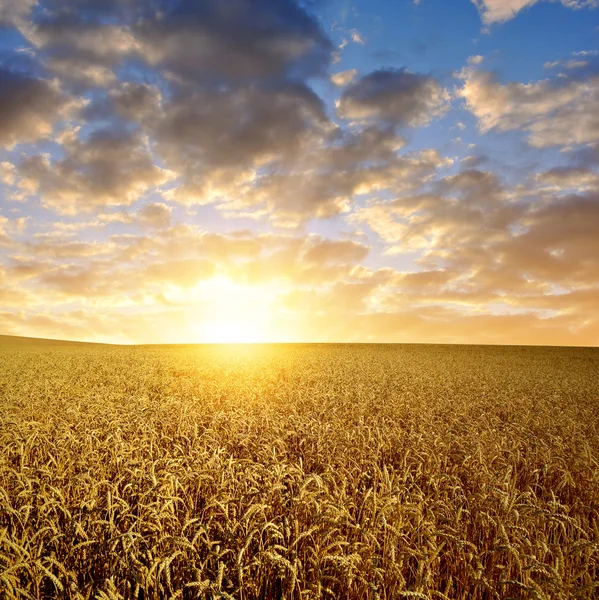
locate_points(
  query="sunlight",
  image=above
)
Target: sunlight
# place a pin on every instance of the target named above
(232, 313)
(232, 332)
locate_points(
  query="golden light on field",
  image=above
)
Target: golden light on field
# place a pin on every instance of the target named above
(346, 464)
(233, 313)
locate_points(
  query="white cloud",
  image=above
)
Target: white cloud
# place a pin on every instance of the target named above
(357, 37)
(498, 11)
(344, 77)
(552, 112)
(476, 59)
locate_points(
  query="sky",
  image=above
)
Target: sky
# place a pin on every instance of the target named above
(187, 171)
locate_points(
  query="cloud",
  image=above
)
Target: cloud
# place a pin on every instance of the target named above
(473, 162)
(228, 95)
(98, 9)
(64, 246)
(395, 97)
(231, 97)
(182, 272)
(136, 270)
(328, 321)
(494, 246)
(217, 141)
(481, 262)
(325, 182)
(284, 159)
(228, 111)
(12, 12)
(7, 172)
(560, 244)
(476, 59)
(334, 251)
(82, 52)
(21, 270)
(155, 215)
(553, 113)
(241, 40)
(214, 129)
(109, 168)
(30, 108)
(357, 37)
(4, 237)
(344, 77)
(138, 102)
(499, 11)
(587, 156)
(10, 229)
(102, 43)
(79, 324)
(569, 178)
(569, 64)
(342, 298)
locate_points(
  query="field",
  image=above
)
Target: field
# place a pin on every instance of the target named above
(299, 472)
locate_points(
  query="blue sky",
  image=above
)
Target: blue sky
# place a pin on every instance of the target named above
(271, 170)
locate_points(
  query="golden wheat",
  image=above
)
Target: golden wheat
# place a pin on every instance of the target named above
(299, 472)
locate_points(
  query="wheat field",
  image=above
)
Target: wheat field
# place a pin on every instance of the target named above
(299, 472)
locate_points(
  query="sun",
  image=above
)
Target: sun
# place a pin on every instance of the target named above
(232, 313)
(233, 332)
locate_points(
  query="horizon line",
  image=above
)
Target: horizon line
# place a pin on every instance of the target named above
(59, 341)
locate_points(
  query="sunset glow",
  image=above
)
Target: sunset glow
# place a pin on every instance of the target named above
(294, 171)
(232, 314)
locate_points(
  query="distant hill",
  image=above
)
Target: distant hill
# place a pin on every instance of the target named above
(14, 340)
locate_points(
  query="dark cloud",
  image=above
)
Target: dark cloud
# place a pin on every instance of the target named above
(577, 178)
(225, 106)
(247, 128)
(13, 11)
(473, 162)
(136, 101)
(478, 187)
(209, 42)
(235, 40)
(80, 50)
(217, 141)
(29, 107)
(395, 97)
